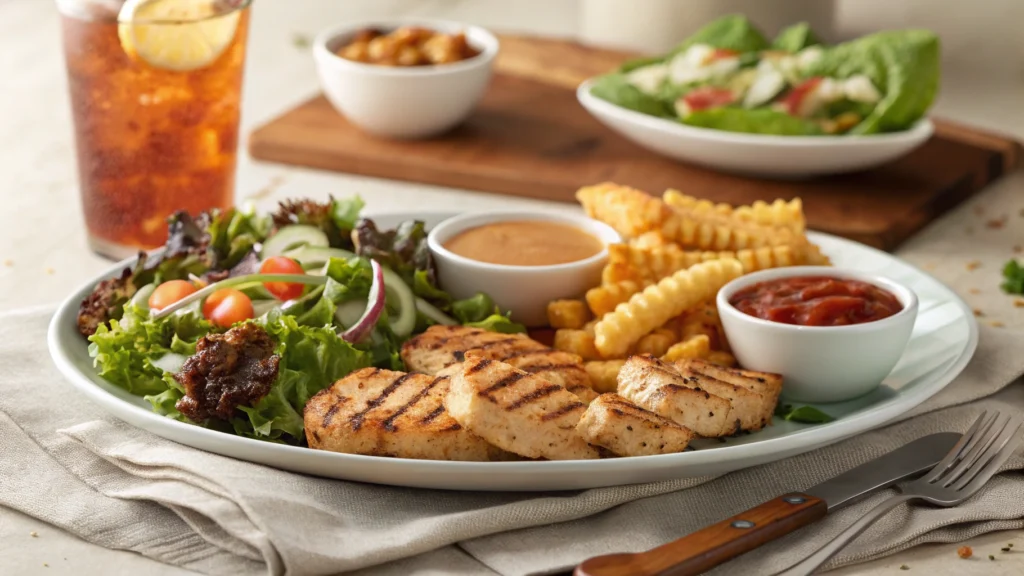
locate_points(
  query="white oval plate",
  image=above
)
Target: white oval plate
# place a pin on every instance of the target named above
(754, 154)
(945, 336)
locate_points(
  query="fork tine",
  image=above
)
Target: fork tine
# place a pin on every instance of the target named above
(993, 458)
(992, 433)
(962, 445)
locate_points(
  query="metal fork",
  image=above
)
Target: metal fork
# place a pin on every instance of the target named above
(973, 461)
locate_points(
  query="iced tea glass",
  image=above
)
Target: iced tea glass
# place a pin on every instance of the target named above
(155, 89)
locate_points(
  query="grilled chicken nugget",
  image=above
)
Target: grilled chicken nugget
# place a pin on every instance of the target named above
(766, 385)
(517, 411)
(626, 429)
(383, 413)
(659, 387)
(441, 347)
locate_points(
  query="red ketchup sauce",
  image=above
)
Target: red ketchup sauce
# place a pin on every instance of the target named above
(816, 301)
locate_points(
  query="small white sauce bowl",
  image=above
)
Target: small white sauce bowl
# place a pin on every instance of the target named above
(404, 102)
(819, 363)
(525, 290)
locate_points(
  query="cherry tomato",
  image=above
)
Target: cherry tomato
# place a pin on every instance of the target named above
(227, 307)
(170, 292)
(282, 265)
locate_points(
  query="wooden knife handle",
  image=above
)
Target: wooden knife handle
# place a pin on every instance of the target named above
(715, 544)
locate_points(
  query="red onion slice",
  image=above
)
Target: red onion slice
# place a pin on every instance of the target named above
(374, 308)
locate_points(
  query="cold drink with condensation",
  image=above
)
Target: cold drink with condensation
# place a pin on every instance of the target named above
(155, 89)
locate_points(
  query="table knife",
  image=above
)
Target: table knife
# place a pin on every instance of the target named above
(745, 531)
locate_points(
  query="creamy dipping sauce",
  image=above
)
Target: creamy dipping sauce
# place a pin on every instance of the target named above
(525, 243)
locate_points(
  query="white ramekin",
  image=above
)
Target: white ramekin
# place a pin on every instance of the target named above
(819, 363)
(524, 290)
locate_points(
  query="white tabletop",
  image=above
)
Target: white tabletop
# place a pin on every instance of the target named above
(43, 254)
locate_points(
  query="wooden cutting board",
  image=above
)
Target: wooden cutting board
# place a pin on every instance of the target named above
(529, 137)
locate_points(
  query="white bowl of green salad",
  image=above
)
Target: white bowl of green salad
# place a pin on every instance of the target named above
(728, 98)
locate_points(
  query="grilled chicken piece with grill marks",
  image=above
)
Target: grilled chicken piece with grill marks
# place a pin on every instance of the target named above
(442, 347)
(765, 385)
(625, 429)
(383, 413)
(517, 411)
(659, 387)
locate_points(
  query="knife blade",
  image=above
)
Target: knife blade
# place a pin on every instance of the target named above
(709, 547)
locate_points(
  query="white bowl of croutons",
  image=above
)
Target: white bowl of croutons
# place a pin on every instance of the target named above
(833, 334)
(405, 78)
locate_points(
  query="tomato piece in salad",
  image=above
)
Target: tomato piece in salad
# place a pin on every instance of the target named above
(704, 98)
(227, 307)
(170, 292)
(798, 101)
(282, 265)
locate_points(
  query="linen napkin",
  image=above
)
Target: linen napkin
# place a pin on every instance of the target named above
(67, 463)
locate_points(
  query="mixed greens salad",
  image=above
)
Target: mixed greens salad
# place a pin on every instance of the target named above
(728, 76)
(331, 291)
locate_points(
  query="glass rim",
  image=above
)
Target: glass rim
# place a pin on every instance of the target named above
(229, 7)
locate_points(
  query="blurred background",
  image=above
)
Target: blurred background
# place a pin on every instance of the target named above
(982, 85)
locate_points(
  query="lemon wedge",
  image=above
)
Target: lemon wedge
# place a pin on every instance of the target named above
(178, 35)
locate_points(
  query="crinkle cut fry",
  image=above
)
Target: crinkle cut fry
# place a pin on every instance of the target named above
(714, 232)
(779, 213)
(629, 211)
(648, 265)
(632, 212)
(647, 310)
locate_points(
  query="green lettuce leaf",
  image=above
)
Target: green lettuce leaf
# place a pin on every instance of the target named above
(630, 65)
(124, 352)
(423, 287)
(755, 121)
(312, 358)
(795, 38)
(345, 213)
(615, 88)
(352, 279)
(733, 32)
(499, 323)
(902, 64)
(233, 233)
(480, 311)
(804, 414)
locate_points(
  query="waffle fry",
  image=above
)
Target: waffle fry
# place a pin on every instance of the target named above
(645, 311)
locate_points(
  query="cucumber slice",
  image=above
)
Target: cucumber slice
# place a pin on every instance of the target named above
(293, 236)
(141, 297)
(404, 323)
(316, 256)
(348, 313)
(261, 307)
